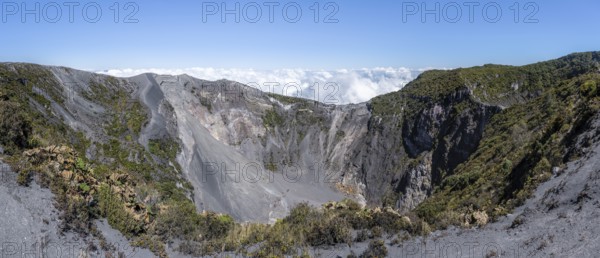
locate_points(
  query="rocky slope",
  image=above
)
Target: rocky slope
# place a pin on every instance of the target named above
(460, 147)
(559, 220)
(32, 227)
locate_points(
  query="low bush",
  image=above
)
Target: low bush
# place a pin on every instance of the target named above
(15, 127)
(376, 249)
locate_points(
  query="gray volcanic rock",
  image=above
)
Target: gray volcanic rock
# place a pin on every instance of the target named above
(31, 226)
(227, 178)
(560, 220)
(254, 155)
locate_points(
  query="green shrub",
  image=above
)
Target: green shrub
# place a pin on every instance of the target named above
(376, 232)
(15, 127)
(335, 231)
(76, 215)
(352, 205)
(24, 177)
(136, 117)
(589, 88)
(460, 181)
(217, 225)
(272, 119)
(112, 207)
(376, 249)
(85, 188)
(361, 235)
(507, 166)
(166, 149)
(300, 214)
(390, 222)
(80, 164)
(179, 220)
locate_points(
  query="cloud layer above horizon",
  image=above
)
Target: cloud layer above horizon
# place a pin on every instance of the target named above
(332, 87)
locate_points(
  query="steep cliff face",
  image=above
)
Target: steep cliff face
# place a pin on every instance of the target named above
(347, 148)
(418, 146)
(568, 202)
(233, 150)
(352, 149)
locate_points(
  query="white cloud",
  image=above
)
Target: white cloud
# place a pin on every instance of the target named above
(340, 86)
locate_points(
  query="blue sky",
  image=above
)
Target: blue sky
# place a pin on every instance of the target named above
(172, 34)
